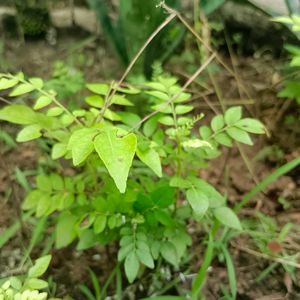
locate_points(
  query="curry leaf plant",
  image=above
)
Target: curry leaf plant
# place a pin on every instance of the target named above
(137, 179)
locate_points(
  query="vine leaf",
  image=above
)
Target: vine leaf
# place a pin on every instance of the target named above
(117, 154)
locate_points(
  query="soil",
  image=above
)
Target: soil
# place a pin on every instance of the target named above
(261, 79)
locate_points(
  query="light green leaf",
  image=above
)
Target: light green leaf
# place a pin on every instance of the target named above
(58, 150)
(223, 139)
(87, 240)
(28, 133)
(168, 252)
(239, 135)
(100, 223)
(233, 114)
(183, 109)
(54, 111)
(205, 132)
(81, 144)
(95, 101)
(226, 216)
(7, 83)
(196, 143)
(111, 115)
(36, 284)
(198, 201)
(251, 125)
(21, 89)
(36, 82)
(18, 114)
(98, 88)
(217, 123)
(65, 230)
(132, 266)
(121, 100)
(167, 120)
(145, 258)
(117, 154)
(40, 266)
(150, 158)
(42, 102)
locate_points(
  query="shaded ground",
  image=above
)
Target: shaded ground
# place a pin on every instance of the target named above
(229, 173)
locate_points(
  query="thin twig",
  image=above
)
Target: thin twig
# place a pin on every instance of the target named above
(134, 60)
(5, 101)
(188, 82)
(186, 24)
(265, 256)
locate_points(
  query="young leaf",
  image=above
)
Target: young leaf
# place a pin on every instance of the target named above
(217, 123)
(81, 144)
(168, 252)
(205, 132)
(132, 266)
(58, 150)
(117, 154)
(35, 284)
(183, 109)
(40, 266)
(21, 89)
(145, 258)
(28, 133)
(98, 88)
(223, 139)
(100, 224)
(226, 216)
(54, 111)
(42, 102)
(232, 115)
(198, 201)
(7, 83)
(18, 114)
(65, 231)
(36, 82)
(95, 101)
(167, 120)
(251, 125)
(239, 135)
(150, 158)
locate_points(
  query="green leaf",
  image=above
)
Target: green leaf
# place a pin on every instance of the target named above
(168, 252)
(163, 196)
(146, 258)
(166, 297)
(150, 126)
(35, 284)
(198, 201)
(81, 144)
(131, 266)
(21, 89)
(7, 83)
(36, 82)
(28, 133)
(239, 135)
(40, 266)
(121, 100)
(180, 182)
(117, 154)
(42, 102)
(232, 115)
(183, 109)
(98, 88)
(58, 150)
(226, 216)
(100, 223)
(124, 251)
(205, 132)
(18, 114)
(65, 230)
(251, 125)
(151, 158)
(54, 111)
(32, 199)
(223, 139)
(217, 123)
(167, 120)
(87, 240)
(95, 101)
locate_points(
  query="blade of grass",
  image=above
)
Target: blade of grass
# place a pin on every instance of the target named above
(36, 235)
(96, 285)
(119, 284)
(265, 182)
(230, 272)
(13, 229)
(85, 290)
